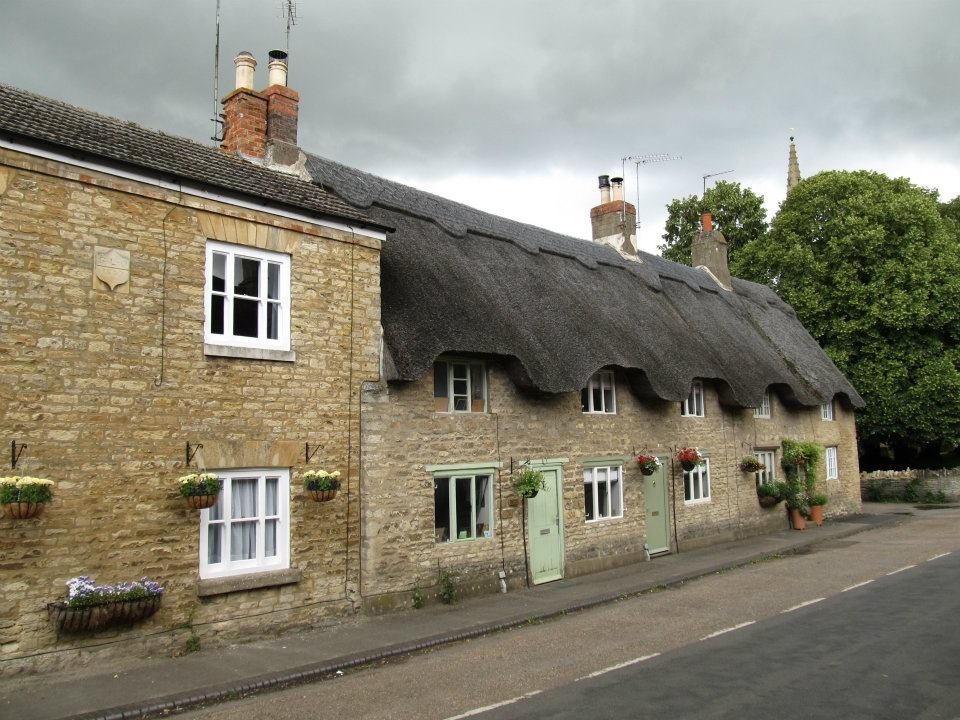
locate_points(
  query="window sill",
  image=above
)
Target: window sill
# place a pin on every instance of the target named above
(249, 353)
(250, 581)
(702, 501)
(603, 519)
(597, 412)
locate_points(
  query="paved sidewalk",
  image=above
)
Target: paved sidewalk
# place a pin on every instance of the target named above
(163, 685)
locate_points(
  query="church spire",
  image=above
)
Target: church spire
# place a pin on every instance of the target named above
(793, 167)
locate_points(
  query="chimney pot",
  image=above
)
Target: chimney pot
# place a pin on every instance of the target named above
(245, 65)
(617, 183)
(706, 221)
(277, 68)
(604, 189)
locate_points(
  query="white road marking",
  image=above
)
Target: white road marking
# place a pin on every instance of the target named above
(905, 567)
(616, 667)
(726, 630)
(854, 587)
(938, 556)
(803, 604)
(487, 708)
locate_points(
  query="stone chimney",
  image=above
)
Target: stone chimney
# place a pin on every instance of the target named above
(262, 126)
(709, 251)
(614, 221)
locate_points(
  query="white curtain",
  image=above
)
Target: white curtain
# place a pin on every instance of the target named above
(243, 535)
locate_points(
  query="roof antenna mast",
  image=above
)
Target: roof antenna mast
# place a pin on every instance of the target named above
(289, 10)
(639, 160)
(217, 122)
(710, 175)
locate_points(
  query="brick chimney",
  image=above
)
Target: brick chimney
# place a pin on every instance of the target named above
(262, 125)
(614, 221)
(709, 251)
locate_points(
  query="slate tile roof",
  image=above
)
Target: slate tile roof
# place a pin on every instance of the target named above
(25, 115)
(458, 280)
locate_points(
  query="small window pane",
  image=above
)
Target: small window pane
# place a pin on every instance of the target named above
(219, 283)
(216, 314)
(216, 512)
(603, 499)
(270, 538)
(271, 495)
(273, 281)
(440, 379)
(476, 382)
(246, 277)
(607, 398)
(597, 397)
(482, 505)
(585, 400)
(243, 498)
(243, 540)
(588, 500)
(441, 509)
(462, 508)
(214, 543)
(245, 320)
(273, 320)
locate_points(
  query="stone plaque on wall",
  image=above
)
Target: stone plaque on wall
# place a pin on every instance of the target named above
(111, 269)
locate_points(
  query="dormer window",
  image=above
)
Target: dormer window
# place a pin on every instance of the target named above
(599, 396)
(459, 386)
(693, 405)
(763, 411)
(826, 411)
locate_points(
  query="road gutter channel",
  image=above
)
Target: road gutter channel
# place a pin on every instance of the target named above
(180, 703)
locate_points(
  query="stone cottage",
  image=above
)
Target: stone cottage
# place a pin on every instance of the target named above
(259, 311)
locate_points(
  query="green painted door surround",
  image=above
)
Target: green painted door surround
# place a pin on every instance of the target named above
(545, 523)
(658, 518)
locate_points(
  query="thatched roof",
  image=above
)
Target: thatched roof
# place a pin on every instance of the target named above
(458, 280)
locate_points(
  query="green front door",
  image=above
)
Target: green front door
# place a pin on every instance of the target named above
(544, 530)
(658, 525)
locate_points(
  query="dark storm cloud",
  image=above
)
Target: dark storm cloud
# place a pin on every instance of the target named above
(450, 86)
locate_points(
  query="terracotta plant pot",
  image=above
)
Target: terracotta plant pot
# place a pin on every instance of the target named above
(201, 502)
(23, 510)
(768, 501)
(797, 520)
(816, 514)
(323, 495)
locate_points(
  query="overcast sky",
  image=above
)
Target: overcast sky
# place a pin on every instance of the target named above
(517, 106)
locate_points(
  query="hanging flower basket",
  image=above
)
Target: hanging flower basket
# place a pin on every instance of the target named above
(751, 464)
(768, 501)
(528, 483)
(89, 608)
(24, 497)
(689, 458)
(321, 485)
(200, 490)
(649, 464)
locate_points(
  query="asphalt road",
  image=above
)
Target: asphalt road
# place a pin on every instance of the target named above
(897, 634)
(889, 649)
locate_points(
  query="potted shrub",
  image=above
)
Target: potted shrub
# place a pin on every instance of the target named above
(771, 494)
(649, 464)
(796, 504)
(689, 458)
(816, 503)
(200, 489)
(751, 464)
(24, 497)
(94, 607)
(528, 483)
(321, 485)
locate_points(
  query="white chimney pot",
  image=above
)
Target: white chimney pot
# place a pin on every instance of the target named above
(246, 65)
(277, 68)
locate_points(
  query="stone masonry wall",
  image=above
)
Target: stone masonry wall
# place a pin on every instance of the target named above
(402, 434)
(893, 483)
(106, 387)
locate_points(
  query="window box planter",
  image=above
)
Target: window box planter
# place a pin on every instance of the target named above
(200, 490)
(321, 485)
(99, 617)
(24, 497)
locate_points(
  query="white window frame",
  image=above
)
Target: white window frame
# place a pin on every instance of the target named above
(590, 483)
(452, 505)
(693, 405)
(470, 365)
(698, 478)
(600, 381)
(768, 458)
(261, 563)
(227, 337)
(763, 411)
(826, 411)
(833, 470)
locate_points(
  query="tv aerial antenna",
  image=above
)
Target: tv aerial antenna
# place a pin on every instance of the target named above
(217, 137)
(639, 160)
(711, 175)
(288, 10)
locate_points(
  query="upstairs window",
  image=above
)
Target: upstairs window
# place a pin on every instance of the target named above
(763, 411)
(693, 405)
(247, 297)
(826, 411)
(768, 458)
(599, 396)
(459, 386)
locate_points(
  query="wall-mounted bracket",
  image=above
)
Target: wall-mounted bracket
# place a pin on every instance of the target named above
(309, 455)
(16, 450)
(191, 452)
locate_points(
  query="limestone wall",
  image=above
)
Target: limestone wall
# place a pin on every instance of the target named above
(106, 386)
(402, 434)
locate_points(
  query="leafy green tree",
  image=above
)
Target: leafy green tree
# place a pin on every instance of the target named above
(737, 212)
(870, 267)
